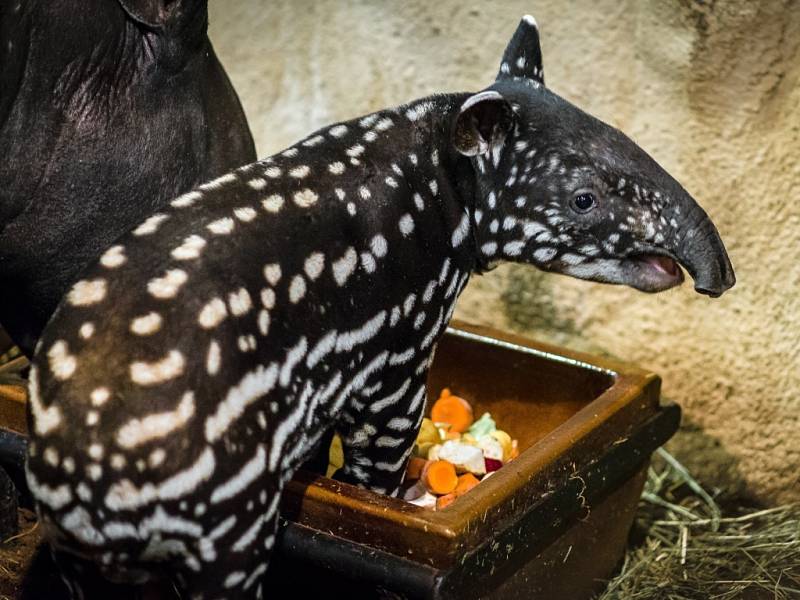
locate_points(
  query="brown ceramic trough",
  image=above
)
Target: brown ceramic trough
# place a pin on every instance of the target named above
(551, 524)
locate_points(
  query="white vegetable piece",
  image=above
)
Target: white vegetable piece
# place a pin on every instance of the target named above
(427, 500)
(463, 456)
(491, 447)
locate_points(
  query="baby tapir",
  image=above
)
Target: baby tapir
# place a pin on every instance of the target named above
(189, 373)
(108, 110)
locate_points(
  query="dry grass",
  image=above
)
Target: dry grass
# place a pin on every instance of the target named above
(692, 549)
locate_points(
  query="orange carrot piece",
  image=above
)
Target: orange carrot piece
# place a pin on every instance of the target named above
(452, 435)
(440, 477)
(416, 466)
(465, 483)
(445, 501)
(454, 410)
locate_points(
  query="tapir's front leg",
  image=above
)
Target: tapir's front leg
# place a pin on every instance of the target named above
(379, 429)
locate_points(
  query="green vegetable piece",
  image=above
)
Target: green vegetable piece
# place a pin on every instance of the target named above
(483, 426)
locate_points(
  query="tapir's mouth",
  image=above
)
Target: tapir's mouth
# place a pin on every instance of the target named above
(655, 272)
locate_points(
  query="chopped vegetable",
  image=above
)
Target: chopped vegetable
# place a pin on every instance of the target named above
(492, 464)
(491, 447)
(483, 426)
(440, 477)
(466, 482)
(453, 410)
(445, 501)
(463, 456)
(427, 500)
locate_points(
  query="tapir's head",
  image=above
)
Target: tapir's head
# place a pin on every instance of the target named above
(568, 193)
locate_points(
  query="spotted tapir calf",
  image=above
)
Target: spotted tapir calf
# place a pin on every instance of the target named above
(191, 371)
(108, 110)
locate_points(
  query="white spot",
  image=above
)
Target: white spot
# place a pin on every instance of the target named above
(263, 322)
(62, 363)
(100, 396)
(150, 225)
(294, 356)
(118, 462)
(355, 151)
(322, 348)
(384, 124)
(348, 340)
(126, 496)
(313, 141)
(87, 292)
(370, 136)
(419, 202)
(408, 304)
(299, 172)
(212, 313)
(314, 265)
(257, 184)
(338, 131)
(87, 330)
(368, 262)
(297, 289)
(434, 186)
(187, 199)
(544, 254)
(96, 451)
(51, 456)
(245, 213)
(273, 172)
(406, 224)
(336, 168)
(249, 473)
(513, 248)
(368, 120)
(273, 203)
(339, 193)
(418, 111)
(69, 465)
(364, 193)
(240, 302)
(221, 226)
(153, 373)
(391, 182)
(54, 497)
(489, 248)
(460, 233)
(147, 324)
(190, 249)
(92, 417)
(234, 579)
(167, 286)
(213, 358)
(247, 343)
(351, 208)
(156, 458)
(113, 257)
(413, 158)
(252, 387)
(268, 298)
(272, 273)
(290, 153)
(344, 267)
(379, 246)
(429, 290)
(305, 198)
(218, 182)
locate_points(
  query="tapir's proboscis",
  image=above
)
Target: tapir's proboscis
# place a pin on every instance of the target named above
(108, 110)
(187, 376)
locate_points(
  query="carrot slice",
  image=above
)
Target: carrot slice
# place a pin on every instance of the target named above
(465, 483)
(454, 410)
(445, 501)
(440, 477)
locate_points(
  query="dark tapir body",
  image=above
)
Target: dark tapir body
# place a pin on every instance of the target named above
(191, 371)
(108, 108)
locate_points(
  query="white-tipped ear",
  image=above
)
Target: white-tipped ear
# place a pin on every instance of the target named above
(523, 55)
(482, 124)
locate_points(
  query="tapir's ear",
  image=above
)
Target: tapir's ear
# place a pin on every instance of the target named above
(483, 123)
(156, 14)
(523, 55)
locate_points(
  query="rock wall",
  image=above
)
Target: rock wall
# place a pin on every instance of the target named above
(711, 89)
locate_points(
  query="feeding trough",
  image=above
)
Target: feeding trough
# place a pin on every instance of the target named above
(553, 523)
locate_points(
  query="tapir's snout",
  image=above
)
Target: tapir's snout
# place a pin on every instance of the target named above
(700, 250)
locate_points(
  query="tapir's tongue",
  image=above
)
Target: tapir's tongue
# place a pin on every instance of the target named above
(663, 263)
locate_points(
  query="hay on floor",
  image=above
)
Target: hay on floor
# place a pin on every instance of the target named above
(690, 548)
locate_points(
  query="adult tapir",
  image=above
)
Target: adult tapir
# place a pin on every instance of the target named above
(108, 108)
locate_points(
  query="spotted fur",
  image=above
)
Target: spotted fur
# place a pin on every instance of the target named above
(191, 372)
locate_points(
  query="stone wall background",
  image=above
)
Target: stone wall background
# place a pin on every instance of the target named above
(710, 88)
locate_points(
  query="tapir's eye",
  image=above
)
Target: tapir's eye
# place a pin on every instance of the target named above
(584, 202)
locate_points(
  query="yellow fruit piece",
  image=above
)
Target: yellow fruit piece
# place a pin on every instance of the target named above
(336, 454)
(505, 441)
(428, 432)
